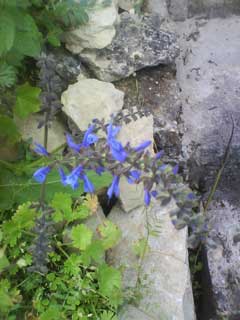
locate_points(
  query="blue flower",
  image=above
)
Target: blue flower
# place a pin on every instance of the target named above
(74, 146)
(154, 193)
(62, 176)
(191, 196)
(114, 188)
(89, 137)
(72, 178)
(142, 146)
(99, 170)
(87, 184)
(41, 174)
(116, 147)
(134, 175)
(175, 169)
(117, 150)
(147, 197)
(159, 155)
(41, 150)
(112, 131)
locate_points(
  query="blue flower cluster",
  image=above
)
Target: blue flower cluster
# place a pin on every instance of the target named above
(107, 155)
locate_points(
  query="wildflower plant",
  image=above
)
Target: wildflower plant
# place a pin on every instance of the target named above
(105, 153)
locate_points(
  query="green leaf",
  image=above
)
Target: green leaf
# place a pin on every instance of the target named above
(28, 39)
(3, 260)
(109, 280)
(7, 75)
(23, 219)
(62, 203)
(53, 312)
(7, 32)
(8, 130)
(95, 251)
(81, 236)
(27, 100)
(110, 234)
(108, 315)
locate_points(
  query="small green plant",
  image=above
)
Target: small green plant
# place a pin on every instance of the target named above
(78, 283)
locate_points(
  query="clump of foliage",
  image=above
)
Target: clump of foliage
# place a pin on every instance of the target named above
(77, 284)
(26, 25)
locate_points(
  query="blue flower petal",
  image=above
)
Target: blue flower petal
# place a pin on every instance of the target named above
(114, 188)
(142, 146)
(62, 176)
(112, 131)
(72, 178)
(99, 170)
(175, 169)
(89, 137)
(40, 150)
(134, 175)
(87, 184)
(41, 174)
(147, 197)
(92, 138)
(159, 155)
(154, 193)
(74, 146)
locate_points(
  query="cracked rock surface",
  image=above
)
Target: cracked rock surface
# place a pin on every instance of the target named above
(139, 43)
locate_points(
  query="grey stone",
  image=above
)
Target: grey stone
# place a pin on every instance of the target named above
(29, 130)
(223, 258)
(157, 7)
(178, 9)
(165, 281)
(98, 32)
(130, 312)
(88, 99)
(126, 4)
(138, 43)
(214, 8)
(209, 80)
(209, 76)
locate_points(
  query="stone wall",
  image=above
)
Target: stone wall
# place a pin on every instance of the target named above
(214, 8)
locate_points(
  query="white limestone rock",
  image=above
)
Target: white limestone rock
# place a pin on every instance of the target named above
(166, 289)
(99, 30)
(29, 130)
(88, 99)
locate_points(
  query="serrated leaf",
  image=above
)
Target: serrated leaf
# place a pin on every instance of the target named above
(81, 236)
(91, 202)
(62, 203)
(27, 38)
(8, 129)
(23, 219)
(7, 32)
(108, 315)
(7, 75)
(27, 100)
(109, 280)
(95, 251)
(110, 234)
